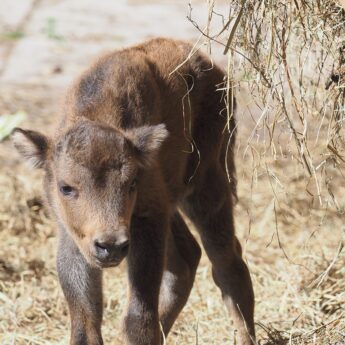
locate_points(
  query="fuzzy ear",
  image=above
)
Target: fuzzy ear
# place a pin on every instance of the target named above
(32, 145)
(147, 140)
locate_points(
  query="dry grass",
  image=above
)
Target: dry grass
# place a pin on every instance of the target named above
(290, 162)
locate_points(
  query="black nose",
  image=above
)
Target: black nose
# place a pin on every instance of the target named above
(111, 250)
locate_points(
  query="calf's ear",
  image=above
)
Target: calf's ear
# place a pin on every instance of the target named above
(32, 145)
(147, 140)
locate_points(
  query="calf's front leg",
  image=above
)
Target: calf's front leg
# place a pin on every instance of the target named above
(82, 287)
(145, 269)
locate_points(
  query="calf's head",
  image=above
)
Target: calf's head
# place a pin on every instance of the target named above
(92, 175)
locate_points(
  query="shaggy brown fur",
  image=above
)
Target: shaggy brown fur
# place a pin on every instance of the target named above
(137, 142)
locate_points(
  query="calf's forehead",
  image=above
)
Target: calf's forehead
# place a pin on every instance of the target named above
(94, 151)
(92, 175)
(93, 146)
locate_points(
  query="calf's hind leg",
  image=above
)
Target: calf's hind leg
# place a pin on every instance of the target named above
(183, 255)
(210, 208)
(82, 287)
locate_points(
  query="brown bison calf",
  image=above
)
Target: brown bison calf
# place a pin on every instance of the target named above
(135, 144)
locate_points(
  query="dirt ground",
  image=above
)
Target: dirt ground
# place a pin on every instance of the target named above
(293, 245)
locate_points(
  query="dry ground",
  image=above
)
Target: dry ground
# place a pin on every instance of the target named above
(293, 246)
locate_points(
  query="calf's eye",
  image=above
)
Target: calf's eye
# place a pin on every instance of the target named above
(67, 190)
(133, 185)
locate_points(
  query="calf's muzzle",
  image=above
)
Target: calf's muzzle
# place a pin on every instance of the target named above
(109, 250)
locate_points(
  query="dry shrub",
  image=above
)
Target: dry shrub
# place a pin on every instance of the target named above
(288, 58)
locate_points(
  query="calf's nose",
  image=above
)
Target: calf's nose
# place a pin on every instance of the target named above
(111, 248)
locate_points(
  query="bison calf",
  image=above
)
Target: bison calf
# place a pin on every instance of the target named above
(136, 143)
